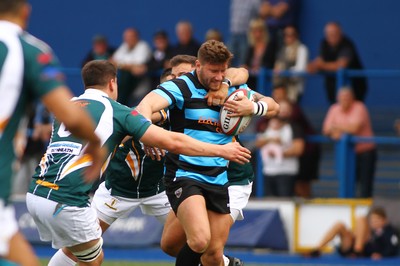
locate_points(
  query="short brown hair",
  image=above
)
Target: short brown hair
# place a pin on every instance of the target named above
(183, 58)
(10, 6)
(377, 210)
(98, 73)
(214, 52)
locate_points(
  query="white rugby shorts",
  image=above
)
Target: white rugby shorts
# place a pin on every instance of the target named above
(9, 227)
(238, 198)
(109, 208)
(64, 226)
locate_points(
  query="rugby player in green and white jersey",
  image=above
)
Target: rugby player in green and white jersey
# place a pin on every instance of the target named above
(28, 71)
(58, 197)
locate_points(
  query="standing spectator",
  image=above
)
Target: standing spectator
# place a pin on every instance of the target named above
(278, 15)
(337, 51)
(350, 116)
(131, 58)
(373, 237)
(241, 13)
(186, 43)
(293, 56)
(161, 55)
(261, 52)
(100, 50)
(281, 145)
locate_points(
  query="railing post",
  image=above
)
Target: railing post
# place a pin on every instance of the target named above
(340, 79)
(341, 164)
(259, 176)
(351, 169)
(261, 81)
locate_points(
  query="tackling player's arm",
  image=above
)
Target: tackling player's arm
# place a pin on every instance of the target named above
(233, 77)
(79, 123)
(182, 144)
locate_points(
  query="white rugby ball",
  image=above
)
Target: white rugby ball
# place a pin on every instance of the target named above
(234, 125)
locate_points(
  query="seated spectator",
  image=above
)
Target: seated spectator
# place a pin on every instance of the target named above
(186, 43)
(350, 116)
(131, 58)
(373, 237)
(281, 145)
(100, 50)
(261, 52)
(293, 56)
(278, 14)
(337, 51)
(214, 34)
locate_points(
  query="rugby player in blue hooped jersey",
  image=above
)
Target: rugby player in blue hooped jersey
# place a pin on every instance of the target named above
(197, 187)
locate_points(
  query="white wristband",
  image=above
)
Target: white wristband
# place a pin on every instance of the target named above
(260, 108)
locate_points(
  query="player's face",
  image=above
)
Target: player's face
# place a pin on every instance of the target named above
(181, 69)
(211, 75)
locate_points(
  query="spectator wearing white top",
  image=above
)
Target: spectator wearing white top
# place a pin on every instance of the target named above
(281, 145)
(293, 56)
(131, 58)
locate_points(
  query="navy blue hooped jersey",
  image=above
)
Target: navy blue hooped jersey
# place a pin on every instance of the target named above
(190, 114)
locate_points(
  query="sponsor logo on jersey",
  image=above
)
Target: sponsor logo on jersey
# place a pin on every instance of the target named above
(44, 58)
(212, 122)
(52, 73)
(65, 147)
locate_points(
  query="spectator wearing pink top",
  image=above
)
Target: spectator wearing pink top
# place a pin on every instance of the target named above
(350, 116)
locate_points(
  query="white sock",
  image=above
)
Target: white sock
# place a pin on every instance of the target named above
(226, 260)
(60, 259)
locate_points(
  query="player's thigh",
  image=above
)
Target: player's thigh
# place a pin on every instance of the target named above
(157, 205)
(21, 252)
(220, 225)
(192, 214)
(173, 237)
(109, 207)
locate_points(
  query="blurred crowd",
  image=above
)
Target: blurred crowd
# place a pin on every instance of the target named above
(262, 34)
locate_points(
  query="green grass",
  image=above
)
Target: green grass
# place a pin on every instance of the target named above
(44, 262)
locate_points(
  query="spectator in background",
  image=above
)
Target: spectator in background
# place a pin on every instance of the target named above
(131, 58)
(37, 136)
(373, 237)
(261, 52)
(278, 14)
(337, 51)
(241, 13)
(161, 55)
(186, 42)
(293, 56)
(100, 50)
(397, 126)
(281, 145)
(350, 116)
(214, 34)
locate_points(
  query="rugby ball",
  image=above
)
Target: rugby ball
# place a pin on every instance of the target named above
(234, 125)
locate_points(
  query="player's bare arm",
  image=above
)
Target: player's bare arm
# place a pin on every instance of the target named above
(182, 144)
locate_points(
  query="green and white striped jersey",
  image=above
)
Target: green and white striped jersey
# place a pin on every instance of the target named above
(28, 71)
(59, 174)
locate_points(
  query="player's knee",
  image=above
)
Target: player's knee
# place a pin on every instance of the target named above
(199, 244)
(92, 254)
